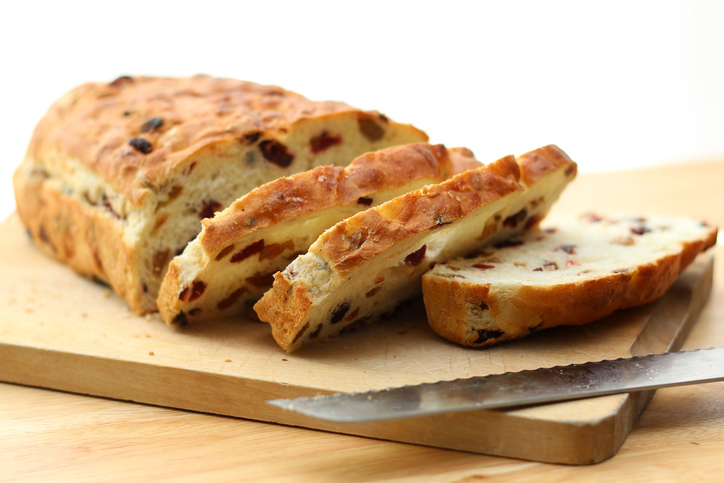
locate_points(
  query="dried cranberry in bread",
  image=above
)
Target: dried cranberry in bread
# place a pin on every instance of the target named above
(118, 176)
(575, 272)
(232, 262)
(365, 266)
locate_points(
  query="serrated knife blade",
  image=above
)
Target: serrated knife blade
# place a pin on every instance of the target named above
(516, 389)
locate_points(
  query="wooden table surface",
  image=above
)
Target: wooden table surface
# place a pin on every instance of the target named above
(47, 435)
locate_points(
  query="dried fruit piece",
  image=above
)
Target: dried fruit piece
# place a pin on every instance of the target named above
(224, 252)
(151, 124)
(508, 243)
(261, 280)
(159, 261)
(372, 292)
(370, 129)
(364, 200)
(275, 152)
(593, 218)
(209, 208)
(640, 230)
(175, 191)
(248, 251)
(197, 290)
(339, 313)
(250, 137)
(415, 258)
(180, 319)
(275, 249)
(514, 220)
(324, 141)
(485, 335)
(483, 266)
(141, 145)
(569, 249)
(231, 299)
(316, 331)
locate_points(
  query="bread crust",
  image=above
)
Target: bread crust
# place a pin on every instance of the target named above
(349, 245)
(121, 153)
(450, 297)
(95, 122)
(321, 187)
(327, 187)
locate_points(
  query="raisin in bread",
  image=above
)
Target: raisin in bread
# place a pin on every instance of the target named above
(365, 266)
(231, 263)
(576, 272)
(118, 176)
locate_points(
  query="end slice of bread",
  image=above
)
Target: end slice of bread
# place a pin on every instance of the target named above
(574, 272)
(367, 265)
(231, 263)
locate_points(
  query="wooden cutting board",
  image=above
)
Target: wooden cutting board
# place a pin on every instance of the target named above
(60, 331)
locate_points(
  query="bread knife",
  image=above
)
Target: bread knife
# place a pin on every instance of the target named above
(515, 389)
(546, 385)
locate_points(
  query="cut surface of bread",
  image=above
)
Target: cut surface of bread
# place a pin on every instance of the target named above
(367, 265)
(118, 176)
(576, 271)
(231, 263)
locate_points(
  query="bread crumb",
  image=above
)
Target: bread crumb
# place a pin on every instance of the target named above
(150, 353)
(285, 360)
(227, 360)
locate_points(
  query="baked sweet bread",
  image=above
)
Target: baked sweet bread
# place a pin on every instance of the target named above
(366, 265)
(118, 176)
(231, 263)
(573, 272)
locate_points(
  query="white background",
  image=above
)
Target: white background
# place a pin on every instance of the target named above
(617, 84)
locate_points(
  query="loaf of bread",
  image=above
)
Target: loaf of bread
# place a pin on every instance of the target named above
(118, 176)
(573, 272)
(232, 262)
(365, 266)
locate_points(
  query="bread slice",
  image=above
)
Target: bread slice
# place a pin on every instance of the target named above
(118, 176)
(571, 273)
(231, 263)
(366, 265)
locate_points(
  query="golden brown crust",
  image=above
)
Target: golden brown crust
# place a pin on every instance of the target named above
(322, 187)
(537, 163)
(536, 307)
(147, 151)
(381, 227)
(85, 238)
(350, 244)
(94, 124)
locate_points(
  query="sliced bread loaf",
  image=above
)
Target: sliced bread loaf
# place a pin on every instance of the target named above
(574, 272)
(232, 262)
(366, 265)
(119, 175)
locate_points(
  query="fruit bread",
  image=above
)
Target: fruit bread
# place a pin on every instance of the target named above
(367, 265)
(232, 262)
(118, 176)
(574, 272)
